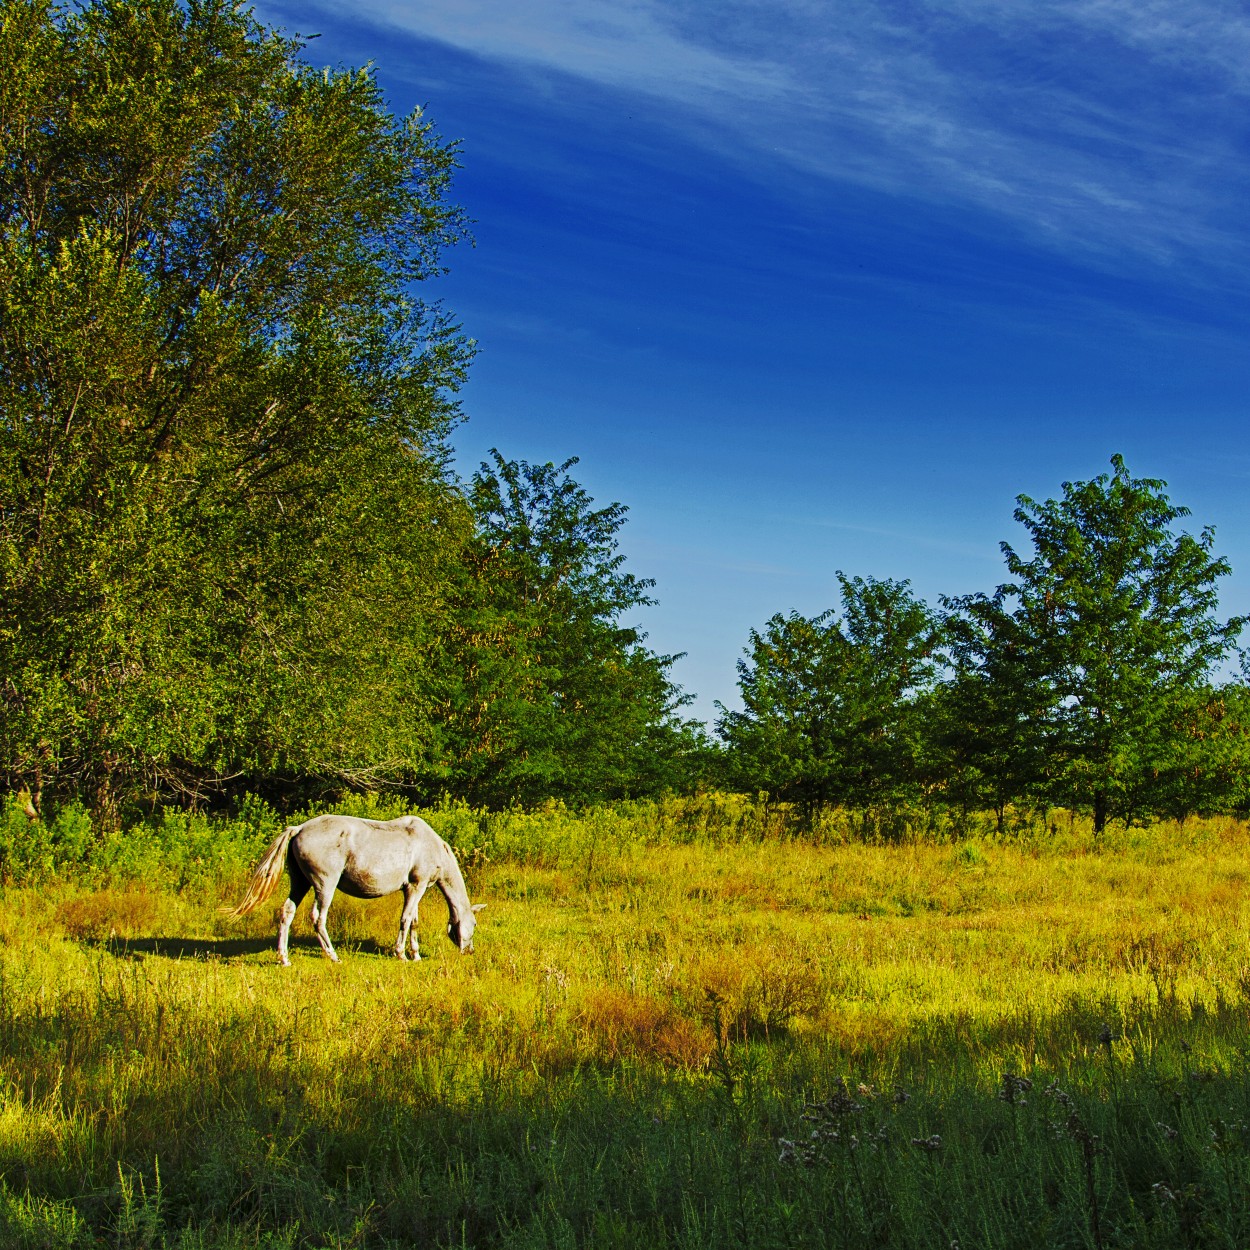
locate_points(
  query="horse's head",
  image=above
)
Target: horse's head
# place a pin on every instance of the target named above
(460, 928)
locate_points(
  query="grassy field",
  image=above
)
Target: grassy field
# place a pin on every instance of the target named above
(669, 1035)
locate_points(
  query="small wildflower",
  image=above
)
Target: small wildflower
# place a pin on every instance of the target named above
(928, 1144)
(828, 1127)
(1226, 1137)
(865, 1091)
(1106, 1036)
(1079, 1133)
(839, 1103)
(900, 1097)
(1168, 1131)
(807, 1153)
(1162, 1192)
(1013, 1087)
(1053, 1091)
(557, 976)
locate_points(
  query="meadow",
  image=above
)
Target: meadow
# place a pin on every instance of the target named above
(681, 1027)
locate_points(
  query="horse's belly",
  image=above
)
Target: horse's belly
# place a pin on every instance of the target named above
(364, 883)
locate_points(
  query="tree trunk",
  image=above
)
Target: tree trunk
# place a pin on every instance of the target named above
(1100, 811)
(105, 801)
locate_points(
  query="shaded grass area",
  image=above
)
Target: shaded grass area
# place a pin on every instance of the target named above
(745, 1044)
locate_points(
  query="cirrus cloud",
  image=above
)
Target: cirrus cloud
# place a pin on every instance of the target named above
(1109, 128)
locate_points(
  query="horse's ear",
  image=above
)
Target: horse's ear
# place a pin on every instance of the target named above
(478, 906)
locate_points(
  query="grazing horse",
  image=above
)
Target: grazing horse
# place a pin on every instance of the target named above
(366, 859)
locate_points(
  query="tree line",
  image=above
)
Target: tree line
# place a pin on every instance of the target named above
(1096, 678)
(234, 555)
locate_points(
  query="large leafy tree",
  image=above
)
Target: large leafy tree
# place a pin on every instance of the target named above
(552, 693)
(1098, 653)
(831, 708)
(223, 508)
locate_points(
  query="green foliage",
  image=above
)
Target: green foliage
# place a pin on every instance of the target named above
(234, 557)
(32, 850)
(1085, 683)
(981, 748)
(1095, 659)
(231, 551)
(832, 706)
(551, 695)
(223, 513)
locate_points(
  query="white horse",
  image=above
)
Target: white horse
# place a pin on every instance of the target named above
(366, 859)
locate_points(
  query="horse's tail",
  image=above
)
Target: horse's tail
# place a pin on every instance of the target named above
(265, 879)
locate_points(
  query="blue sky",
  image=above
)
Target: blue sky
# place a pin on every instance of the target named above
(815, 287)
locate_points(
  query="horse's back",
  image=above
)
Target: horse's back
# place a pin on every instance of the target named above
(369, 857)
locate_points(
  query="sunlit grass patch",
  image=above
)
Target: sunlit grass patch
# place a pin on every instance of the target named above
(630, 1046)
(620, 1024)
(110, 913)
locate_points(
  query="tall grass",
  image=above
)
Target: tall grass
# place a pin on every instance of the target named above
(681, 1027)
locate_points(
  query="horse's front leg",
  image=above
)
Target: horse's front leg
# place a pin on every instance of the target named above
(413, 891)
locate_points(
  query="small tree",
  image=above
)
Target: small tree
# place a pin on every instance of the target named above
(549, 693)
(1093, 655)
(830, 706)
(1208, 769)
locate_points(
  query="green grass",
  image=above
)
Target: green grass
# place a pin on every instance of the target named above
(678, 1029)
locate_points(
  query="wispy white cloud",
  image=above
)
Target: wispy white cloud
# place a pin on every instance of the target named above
(622, 43)
(1110, 126)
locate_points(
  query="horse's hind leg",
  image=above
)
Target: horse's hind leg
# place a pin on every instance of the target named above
(299, 887)
(325, 893)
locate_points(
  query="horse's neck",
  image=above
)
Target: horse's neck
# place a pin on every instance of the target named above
(451, 882)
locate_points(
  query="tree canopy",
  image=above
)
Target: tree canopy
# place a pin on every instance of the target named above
(230, 542)
(553, 696)
(830, 704)
(1111, 621)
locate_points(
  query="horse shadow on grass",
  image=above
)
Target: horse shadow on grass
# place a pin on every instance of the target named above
(225, 948)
